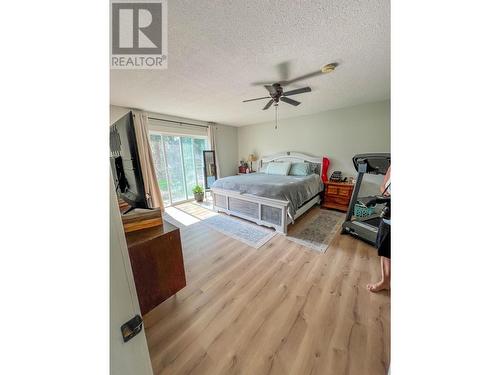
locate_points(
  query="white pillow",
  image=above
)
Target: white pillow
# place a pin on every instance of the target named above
(299, 169)
(280, 169)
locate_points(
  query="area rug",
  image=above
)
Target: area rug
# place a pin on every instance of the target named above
(318, 232)
(241, 230)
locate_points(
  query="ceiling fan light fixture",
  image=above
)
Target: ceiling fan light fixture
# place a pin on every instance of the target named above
(328, 68)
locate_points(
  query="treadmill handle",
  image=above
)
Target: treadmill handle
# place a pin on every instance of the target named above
(378, 200)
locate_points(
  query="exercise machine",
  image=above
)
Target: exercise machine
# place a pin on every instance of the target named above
(366, 228)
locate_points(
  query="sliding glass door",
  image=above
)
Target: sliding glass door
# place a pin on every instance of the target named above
(179, 164)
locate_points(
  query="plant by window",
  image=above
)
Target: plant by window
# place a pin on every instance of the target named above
(198, 189)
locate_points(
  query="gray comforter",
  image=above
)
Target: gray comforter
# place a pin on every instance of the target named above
(295, 189)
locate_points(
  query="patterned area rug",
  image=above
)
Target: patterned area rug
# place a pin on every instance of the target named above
(318, 232)
(252, 234)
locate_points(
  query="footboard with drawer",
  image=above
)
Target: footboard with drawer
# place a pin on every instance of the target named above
(260, 210)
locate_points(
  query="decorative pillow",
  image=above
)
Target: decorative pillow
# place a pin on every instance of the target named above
(281, 169)
(314, 168)
(299, 169)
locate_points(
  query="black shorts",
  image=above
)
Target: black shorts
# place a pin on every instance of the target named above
(384, 240)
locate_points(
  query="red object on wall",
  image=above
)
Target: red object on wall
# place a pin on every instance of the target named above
(326, 164)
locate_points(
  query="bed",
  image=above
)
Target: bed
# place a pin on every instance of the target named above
(270, 200)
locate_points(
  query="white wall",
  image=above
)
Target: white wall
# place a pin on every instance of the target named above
(227, 149)
(338, 134)
(115, 113)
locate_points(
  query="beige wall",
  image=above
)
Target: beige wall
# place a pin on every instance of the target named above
(338, 134)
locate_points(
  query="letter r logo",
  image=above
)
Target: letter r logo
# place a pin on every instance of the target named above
(136, 28)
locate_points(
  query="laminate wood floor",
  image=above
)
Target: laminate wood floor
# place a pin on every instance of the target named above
(280, 309)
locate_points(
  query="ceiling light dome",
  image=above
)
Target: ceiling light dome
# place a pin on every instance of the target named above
(328, 68)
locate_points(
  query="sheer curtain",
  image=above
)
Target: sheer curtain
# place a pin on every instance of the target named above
(151, 187)
(212, 130)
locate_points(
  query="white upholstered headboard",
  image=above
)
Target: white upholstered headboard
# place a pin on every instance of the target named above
(294, 157)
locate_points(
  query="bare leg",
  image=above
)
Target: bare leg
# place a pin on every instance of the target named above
(385, 281)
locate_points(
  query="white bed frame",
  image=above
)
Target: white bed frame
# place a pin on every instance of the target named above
(223, 198)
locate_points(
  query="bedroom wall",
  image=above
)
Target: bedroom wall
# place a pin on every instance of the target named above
(116, 112)
(338, 134)
(227, 149)
(226, 138)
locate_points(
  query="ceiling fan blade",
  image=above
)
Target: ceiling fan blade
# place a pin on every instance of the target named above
(251, 100)
(289, 101)
(297, 91)
(271, 89)
(268, 104)
(262, 83)
(305, 76)
(268, 83)
(332, 66)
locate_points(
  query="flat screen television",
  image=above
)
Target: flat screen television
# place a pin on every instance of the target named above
(125, 165)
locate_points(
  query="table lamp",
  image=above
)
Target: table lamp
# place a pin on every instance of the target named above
(251, 158)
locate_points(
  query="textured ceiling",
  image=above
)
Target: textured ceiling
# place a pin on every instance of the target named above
(217, 49)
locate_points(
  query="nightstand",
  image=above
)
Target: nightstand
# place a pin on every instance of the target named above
(337, 195)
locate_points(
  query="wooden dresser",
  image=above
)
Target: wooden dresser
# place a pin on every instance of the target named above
(337, 195)
(157, 264)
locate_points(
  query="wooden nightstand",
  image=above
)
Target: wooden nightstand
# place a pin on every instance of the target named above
(337, 195)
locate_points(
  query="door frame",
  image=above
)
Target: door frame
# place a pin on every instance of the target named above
(132, 357)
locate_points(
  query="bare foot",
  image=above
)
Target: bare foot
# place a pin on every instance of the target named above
(377, 287)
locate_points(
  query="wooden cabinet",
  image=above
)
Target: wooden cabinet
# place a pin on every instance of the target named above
(157, 264)
(337, 195)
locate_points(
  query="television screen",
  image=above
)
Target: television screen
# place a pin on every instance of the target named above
(125, 164)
